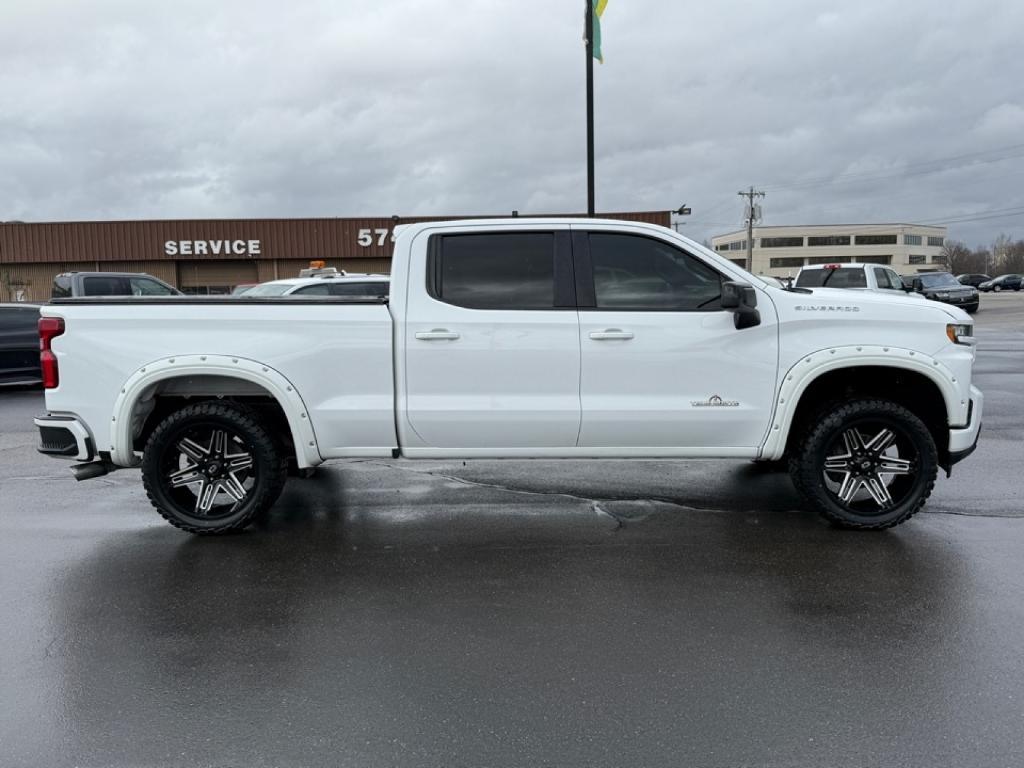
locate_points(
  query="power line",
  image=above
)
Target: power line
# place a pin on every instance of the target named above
(1015, 151)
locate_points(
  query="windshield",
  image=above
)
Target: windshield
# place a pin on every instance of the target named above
(939, 280)
(844, 277)
(269, 289)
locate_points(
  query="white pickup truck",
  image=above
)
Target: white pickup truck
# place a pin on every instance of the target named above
(520, 338)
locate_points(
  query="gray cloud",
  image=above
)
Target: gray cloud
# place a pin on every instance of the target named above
(117, 109)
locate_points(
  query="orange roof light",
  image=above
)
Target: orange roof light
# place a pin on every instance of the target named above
(317, 264)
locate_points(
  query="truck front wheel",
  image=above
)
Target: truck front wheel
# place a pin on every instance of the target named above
(212, 468)
(868, 464)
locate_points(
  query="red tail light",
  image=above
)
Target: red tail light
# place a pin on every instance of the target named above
(49, 328)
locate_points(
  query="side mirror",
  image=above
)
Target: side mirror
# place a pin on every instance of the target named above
(741, 299)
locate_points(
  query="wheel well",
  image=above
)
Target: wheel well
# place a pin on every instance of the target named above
(914, 391)
(169, 395)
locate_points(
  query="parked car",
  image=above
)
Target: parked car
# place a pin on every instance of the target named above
(517, 338)
(876, 278)
(973, 280)
(70, 284)
(19, 344)
(1002, 283)
(330, 283)
(241, 288)
(943, 287)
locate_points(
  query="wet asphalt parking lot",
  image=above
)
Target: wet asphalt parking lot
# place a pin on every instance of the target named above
(519, 613)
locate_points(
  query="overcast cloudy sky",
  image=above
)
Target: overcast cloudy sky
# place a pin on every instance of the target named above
(868, 111)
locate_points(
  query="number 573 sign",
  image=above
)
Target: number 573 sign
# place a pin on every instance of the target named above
(367, 236)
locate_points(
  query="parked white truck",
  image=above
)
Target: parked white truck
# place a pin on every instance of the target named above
(521, 338)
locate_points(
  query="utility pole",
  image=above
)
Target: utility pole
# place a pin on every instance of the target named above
(752, 214)
(589, 35)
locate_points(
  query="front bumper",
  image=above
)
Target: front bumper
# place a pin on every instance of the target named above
(64, 437)
(963, 440)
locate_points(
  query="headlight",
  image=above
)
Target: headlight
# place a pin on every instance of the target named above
(942, 295)
(960, 333)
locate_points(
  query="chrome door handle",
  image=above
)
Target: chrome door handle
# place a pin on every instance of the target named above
(438, 334)
(611, 333)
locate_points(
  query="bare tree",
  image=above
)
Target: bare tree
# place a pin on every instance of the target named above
(956, 257)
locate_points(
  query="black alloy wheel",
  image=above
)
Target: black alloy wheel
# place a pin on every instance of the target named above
(868, 464)
(212, 468)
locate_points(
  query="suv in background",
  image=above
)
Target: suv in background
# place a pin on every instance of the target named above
(19, 344)
(943, 287)
(71, 284)
(973, 280)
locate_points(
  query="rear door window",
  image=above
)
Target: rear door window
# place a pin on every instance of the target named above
(498, 270)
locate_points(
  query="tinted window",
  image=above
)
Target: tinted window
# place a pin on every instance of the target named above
(145, 286)
(844, 277)
(61, 288)
(376, 289)
(105, 286)
(939, 280)
(495, 271)
(875, 240)
(885, 279)
(312, 290)
(640, 273)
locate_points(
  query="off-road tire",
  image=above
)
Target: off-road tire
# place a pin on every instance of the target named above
(807, 462)
(268, 476)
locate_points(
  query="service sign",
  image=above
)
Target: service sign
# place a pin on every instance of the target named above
(212, 248)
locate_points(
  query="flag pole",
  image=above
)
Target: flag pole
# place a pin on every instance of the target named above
(589, 34)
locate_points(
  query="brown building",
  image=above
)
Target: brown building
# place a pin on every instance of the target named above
(202, 256)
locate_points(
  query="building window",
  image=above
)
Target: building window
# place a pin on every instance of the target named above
(722, 247)
(822, 260)
(937, 242)
(937, 259)
(739, 262)
(739, 245)
(917, 259)
(782, 242)
(911, 239)
(829, 240)
(875, 240)
(783, 263)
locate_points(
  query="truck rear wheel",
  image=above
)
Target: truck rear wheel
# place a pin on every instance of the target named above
(868, 464)
(212, 468)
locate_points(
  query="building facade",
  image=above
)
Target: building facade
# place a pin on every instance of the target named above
(203, 256)
(782, 251)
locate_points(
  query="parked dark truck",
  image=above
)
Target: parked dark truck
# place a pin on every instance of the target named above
(71, 284)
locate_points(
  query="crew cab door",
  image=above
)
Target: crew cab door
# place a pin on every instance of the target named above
(663, 368)
(492, 354)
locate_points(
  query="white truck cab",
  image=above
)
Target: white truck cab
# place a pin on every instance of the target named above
(877, 278)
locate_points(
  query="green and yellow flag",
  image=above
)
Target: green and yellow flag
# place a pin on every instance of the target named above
(598, 6)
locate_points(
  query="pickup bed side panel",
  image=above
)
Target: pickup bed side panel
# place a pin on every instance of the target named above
(337, 357)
